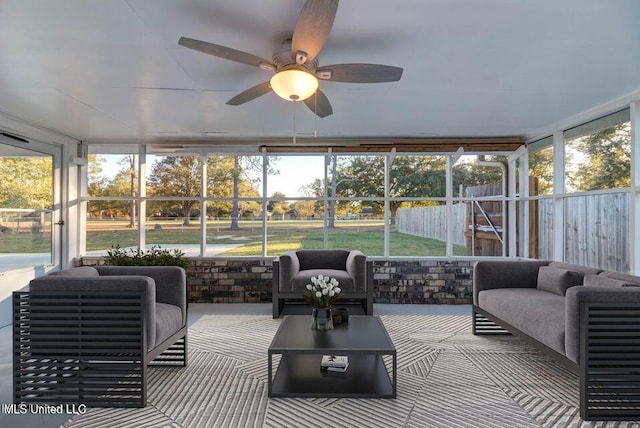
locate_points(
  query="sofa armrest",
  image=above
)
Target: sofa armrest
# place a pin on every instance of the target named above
(357, 269)
(490, 274)
(577, 296)
(171, 282)
(97, 285)
(289, 267)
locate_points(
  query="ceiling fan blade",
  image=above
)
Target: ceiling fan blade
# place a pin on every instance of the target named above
(359, 73)
(223, 52)
(319, 104)
(312, 28)
(250, 94)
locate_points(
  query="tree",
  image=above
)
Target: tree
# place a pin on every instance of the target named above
(177, 176)
(235, 210)
(278, 207)
(235, 174)
(606, 160)
(130, 171)
(541, 167)
(26, 182)
(124, 183)
(304, 209)
(410, 176)
(254, 208)
(468, 174)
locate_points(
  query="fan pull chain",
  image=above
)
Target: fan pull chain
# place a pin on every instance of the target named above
(315, 117)
(294, 122)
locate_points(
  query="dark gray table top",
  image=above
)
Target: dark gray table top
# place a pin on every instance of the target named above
(364, 334)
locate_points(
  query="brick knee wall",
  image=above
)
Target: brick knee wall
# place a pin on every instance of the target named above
(423, 281)
(248, 280)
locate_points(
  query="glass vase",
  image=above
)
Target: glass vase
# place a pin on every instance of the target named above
(322, 319)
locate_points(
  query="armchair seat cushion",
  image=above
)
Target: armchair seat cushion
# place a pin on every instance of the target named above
(303, 277)
(168, 321)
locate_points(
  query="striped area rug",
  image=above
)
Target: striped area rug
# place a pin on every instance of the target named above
(446, 378)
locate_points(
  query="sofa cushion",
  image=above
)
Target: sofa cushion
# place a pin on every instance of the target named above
(629, 279)
(302, 278)
(578, 268)
(557, 280)
(77, 271)
(603, 281)
(168, 321)
(323, 259)
(537, 313)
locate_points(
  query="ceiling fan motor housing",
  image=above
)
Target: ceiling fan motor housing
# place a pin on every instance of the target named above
(282, 58)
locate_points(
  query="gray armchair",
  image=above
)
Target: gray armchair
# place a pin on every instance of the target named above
(293, 270)
(86, 335)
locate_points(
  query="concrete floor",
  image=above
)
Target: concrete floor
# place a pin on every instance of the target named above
(196, 310)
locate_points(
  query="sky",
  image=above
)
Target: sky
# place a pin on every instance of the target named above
(295, 172)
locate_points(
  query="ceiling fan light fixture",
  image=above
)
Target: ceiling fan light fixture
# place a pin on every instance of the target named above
(294, 84)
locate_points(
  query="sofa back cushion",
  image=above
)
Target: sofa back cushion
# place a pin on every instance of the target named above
(603, 281)
(557, 280)
(323, 259)
(577, 268)
(628, 279)
(77, 271)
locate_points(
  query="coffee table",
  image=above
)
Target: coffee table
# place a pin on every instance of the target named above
(363, 339)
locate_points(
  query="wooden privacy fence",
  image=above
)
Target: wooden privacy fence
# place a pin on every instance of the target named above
(483, 224)
(596, 230)
(431, 222)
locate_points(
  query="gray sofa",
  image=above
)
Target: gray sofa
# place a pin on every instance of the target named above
(293, 270)
(86, 335)
(587, 319)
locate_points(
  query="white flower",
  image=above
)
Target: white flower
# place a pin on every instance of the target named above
(332, 293)
(334, 282)
(337, 290)
(325, 291)
(318, 294)
(309, 287)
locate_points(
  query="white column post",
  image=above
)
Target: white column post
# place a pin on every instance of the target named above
(142, 195)
(203, 205)
(512, 201)
(524, 206)
(265, 215)
(83, 191)
(325, 228)
(388, 162)
(449, 206)
(634, 195)
(558, 196)
(511, 204)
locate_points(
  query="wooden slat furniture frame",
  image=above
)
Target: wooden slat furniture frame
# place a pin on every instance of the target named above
(86, 347)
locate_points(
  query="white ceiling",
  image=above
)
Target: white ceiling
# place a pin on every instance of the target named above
(112, 70)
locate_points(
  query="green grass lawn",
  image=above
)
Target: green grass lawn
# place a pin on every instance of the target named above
(282, 235)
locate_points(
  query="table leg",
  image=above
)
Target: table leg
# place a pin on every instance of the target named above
(394, 369)
(270, 373)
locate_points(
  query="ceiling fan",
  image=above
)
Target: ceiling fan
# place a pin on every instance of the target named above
(295, 62)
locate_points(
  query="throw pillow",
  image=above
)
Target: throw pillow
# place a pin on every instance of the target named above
(603, 281)
(556, 280)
